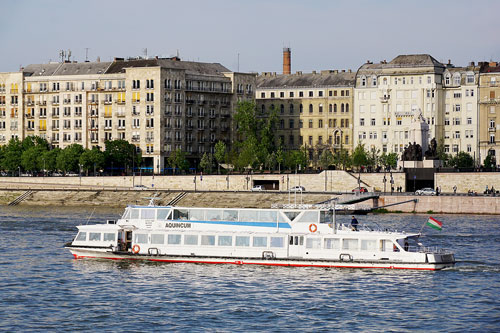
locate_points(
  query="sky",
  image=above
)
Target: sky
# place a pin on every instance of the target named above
(249, 35)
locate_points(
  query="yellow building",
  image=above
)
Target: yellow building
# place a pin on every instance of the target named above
(489, 110)
(314, 109)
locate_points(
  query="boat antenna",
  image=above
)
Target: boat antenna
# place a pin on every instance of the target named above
(90, 216)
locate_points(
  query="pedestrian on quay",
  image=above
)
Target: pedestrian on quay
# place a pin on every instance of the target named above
(354, 223)
(455, 189)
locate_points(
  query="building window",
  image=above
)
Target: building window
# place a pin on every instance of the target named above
(291, 108)
(291, 123)
(320, 93)
(282, 94)
(263, 95)
(334, 108)
(492, 123)
(492, 138)
(320, 123)
(282, 109)
(361, 121)
(321, 108)
(310, 108)
(372, 122)
(311, 94)
(301, 108)
(310, 140)
(291, 94)
(301, 94)
(310, 123)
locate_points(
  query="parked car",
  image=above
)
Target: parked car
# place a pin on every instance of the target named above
(298, 189)
(425, 191)
(140, 187)
(258, 188)
(360, 190)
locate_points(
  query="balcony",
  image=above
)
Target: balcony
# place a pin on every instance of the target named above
(67, 101)
(384, 99)
(29, 116)
(492, 129)
(30, 103)
(189, 101)
(150, 139)
(41, 103)
(78, 101)
(55, 115)
(55, 102)
(224, 114)
(213, 128)
(136, 138)
(93, 102)
(108, 102)
(120, 101)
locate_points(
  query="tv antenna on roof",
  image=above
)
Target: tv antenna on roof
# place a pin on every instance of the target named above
(86, 54)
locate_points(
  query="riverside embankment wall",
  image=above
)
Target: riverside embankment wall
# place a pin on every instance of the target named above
(121, 198)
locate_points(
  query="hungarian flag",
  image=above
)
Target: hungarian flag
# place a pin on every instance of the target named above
(433, 223)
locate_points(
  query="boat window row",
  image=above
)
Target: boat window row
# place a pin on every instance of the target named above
(247, 215)
(349, 244)
(96, 236)
(209, 240)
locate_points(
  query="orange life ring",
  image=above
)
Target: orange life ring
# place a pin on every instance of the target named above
(313, 227)
(136, 248)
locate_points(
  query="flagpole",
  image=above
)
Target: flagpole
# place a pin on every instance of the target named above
(421, 229)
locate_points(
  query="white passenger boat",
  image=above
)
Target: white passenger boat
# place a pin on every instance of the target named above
(272, 237)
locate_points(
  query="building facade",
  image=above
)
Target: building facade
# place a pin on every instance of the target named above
(389, 96)
(489, 110)
(159, 105)
(461, 120)
(315, 110)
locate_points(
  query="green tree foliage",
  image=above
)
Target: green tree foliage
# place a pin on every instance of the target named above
(48, 159)
(69, 157)
(326, 159)
(373, 157)
(248, 154)
(92, 159)
(342, 159)
(219, 154)
(246, 120)
(359, 156)
(389, 160)
(271, 162)
(29, 158)
(12, 155)
(206, 163)
(489, 162)
(461, 160)
(121, 152)
(177, 159)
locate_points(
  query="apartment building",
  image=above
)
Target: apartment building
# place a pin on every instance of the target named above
(159, 105)
(489, 110)
(461, 122)
(315, 110)
(388, 97)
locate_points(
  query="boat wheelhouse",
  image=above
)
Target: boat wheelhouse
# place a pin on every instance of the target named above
(280, 237)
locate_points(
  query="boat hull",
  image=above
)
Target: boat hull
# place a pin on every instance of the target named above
(86, 253)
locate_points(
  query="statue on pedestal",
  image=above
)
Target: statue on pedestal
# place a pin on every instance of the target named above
(431, 153)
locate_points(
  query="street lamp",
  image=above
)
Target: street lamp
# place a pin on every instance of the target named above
(19, 171)
(80, 173)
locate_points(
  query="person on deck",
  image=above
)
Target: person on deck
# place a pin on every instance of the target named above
(354, 223)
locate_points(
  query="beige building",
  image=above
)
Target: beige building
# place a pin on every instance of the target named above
(489, 110)
(389, 96)
(461, 122)
(159, 105)
(315, 110)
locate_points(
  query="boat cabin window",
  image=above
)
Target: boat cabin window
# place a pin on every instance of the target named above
(214, 215)
(225, 241)
(230, 215)
(134, 213)
(174, 239)
(368, 245)
(259, 241)
(196, 214)
(190, 239)
(249, 216)
(157, 239)
(109, 236)
(207, 240)
(126, 215)
(162, 213)
(277, 242)
(325, 217)
(242, 241)
(94, 236)
(268, 216)
(386, 245)
(181, 214)
(349, 244)
(296, 240)
(332, 243)
(313, 243)
(291, 215)
(148, 213)
(141, 238)
(309, 217)
(82, 236)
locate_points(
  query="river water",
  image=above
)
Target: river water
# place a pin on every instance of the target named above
(42, 288)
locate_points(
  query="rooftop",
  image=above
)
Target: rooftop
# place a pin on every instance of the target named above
(322, 79)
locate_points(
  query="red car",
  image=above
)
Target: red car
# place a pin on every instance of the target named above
(360, 190)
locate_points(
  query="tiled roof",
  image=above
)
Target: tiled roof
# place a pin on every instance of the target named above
(342, 79)
(82, 68)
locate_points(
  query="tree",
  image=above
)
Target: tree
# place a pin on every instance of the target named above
(47, 160)
(389, 160)
(220, 153)
(92, 159)
(359, 156)
(12, 155)
(246, 120)
(270, 162)
(326, 159)
(489, 162)
(29, 158)
(69, 157)
(248, 154)
(342, 158)
(373, 158)
(280, 158)
(206, 163)
(177, 159)
(462, 160)
(121, 152)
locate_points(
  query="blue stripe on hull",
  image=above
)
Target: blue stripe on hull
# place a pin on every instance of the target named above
(246, 224)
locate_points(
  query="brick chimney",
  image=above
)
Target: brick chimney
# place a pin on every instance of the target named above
(287, 61)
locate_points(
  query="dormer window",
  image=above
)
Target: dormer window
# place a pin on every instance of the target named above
(374, 81)
(447, 79)
(363, 81)
(456, 79)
